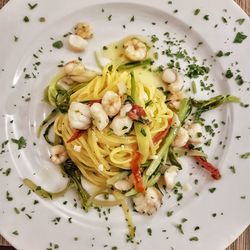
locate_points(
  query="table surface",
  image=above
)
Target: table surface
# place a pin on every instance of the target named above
(241, 243)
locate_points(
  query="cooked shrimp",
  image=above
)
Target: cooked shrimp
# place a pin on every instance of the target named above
(125, 109)
(100, 118)
(76, 72)
(79, 116)
(84, 30)
(121, 125)
(58, 154)
(170, 175)
(173, 79)
(77, 43)
(195, 133)
(135, 50)
(148, 202)
(124, 184)
(111, 103)
(181, 138)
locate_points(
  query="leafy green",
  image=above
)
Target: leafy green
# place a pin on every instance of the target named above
(229, 74)
(240, 37)
(52, 114)
(240, 21)
(62, 100)
(173, 159)
(58, 44)
(46, 134)
(74, 175)
(245, 156)
(184, 111)
(196, 12)
(130, 65)
(212, 103)
(21, 142)
(194, 70)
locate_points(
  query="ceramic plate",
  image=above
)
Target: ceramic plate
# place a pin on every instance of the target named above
(213, 213)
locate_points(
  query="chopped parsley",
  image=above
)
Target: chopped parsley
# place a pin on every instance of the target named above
(8, 196)
(240, 21)
(149, 230)
(206, 17)
(21, 142)
(229, 74)
(109, 17)
(194, 238)
(211, 190)
(15, 232)
(245, 156)
(58, 44)
(42, 19)
(15, 38)
(26, 19)
(239, 80)
(196, 12)
(240, 37)
(169, 213)
(220, 53)
(32, 6)
(232, 168)
(224, 20)
(154, 38)
(180, 229)
(132, 19)
(194, 70)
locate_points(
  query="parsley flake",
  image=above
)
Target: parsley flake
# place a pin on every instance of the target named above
(58, 44)
(26, 19)
(240, 37)
(232, 168)
(194, 238)
(21, 142)
(245, 156)
(240, 21)
(206, 17)
(229, 74)
(32, 6)
(196, 12)
(212, 190)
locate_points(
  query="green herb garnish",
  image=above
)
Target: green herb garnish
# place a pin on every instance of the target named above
(21, 142)
(240, 37)
(58, 44)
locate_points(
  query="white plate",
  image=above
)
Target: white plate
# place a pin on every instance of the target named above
(32, 226)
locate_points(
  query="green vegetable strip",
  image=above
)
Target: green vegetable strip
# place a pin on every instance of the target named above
(212, 103)
(53, 89)
(153, 180)
(163, 152)
(143, 139)
(173, 159)
(74, 175)
(52, 114)
(131, 192)
(42, 192)
(46, 134)
(134, 64)
(194, 89)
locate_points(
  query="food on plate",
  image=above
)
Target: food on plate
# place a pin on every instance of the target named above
(123, 130)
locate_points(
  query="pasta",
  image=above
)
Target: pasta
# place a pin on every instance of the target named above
(122, 130)
(104, 148)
